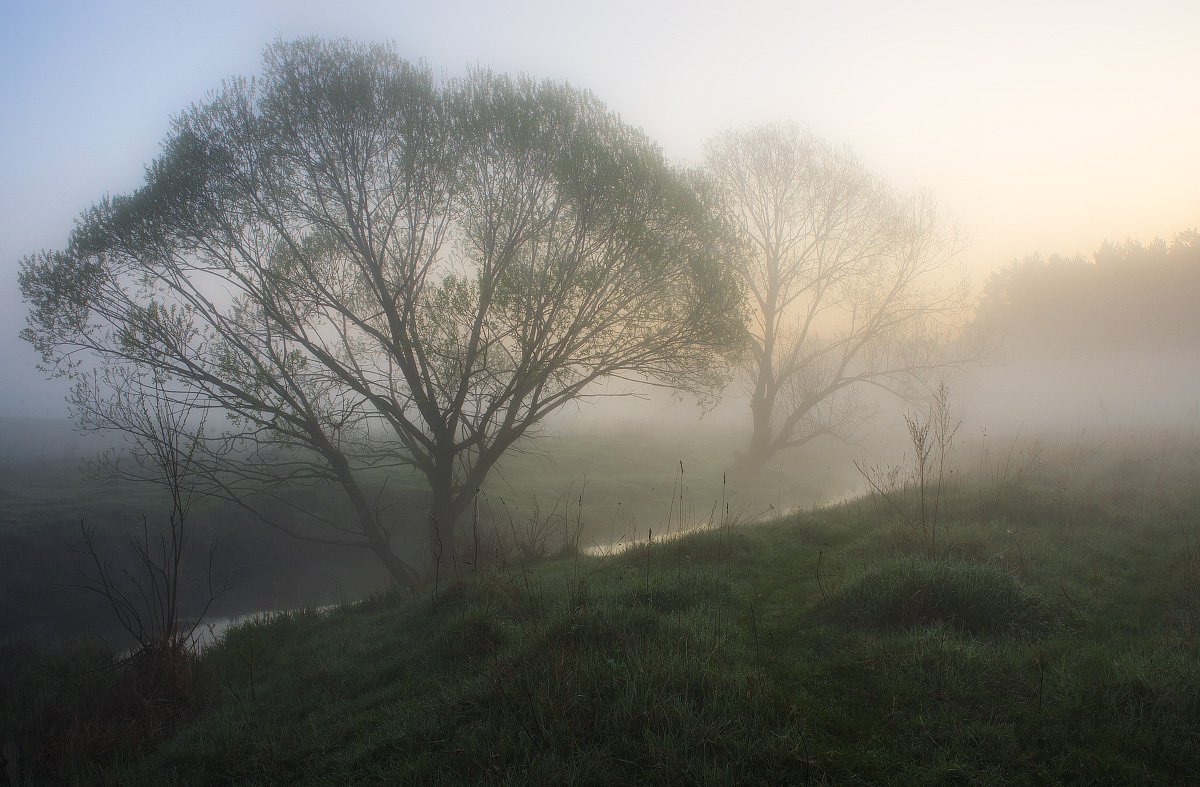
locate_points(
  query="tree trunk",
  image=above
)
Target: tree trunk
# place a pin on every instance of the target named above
(758, 451)
(443, 547)
(749, 463)
(402, 573)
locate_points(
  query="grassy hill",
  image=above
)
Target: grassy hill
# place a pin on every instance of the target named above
(1051, 634)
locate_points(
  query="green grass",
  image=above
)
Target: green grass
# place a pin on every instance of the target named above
(967, 597)
(1049, 640)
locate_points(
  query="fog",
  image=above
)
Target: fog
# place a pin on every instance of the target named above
(1044, 129)
(1078, 392)
(1040, 130)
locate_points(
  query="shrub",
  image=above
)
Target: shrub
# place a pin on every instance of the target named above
(68, 709)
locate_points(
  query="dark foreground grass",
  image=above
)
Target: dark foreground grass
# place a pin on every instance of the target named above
(821, 648)
(969, 598)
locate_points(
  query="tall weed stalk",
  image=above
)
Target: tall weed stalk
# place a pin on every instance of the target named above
(931, 437)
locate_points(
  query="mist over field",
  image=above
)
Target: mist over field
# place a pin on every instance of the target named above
(670, 394)
(1086, 361)
(622, 455)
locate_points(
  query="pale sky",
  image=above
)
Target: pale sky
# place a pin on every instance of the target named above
(1043, 126)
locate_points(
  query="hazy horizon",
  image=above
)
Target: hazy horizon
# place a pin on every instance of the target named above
(1042, 129)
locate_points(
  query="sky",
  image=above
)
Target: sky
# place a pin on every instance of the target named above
(1041, 126)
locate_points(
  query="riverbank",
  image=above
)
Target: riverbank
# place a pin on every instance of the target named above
(1050, 635)
(629, 483)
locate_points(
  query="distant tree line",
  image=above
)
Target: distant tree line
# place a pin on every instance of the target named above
(1130, 295)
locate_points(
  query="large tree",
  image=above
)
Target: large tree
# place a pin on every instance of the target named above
(848, 283)
(358, 266)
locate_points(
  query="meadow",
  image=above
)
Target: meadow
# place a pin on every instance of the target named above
(1048, 632)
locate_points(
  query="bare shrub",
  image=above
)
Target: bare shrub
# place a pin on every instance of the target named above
(917, 493)
(163, 435)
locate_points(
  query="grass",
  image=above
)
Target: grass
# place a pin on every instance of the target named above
(969, 598)
(1053, 638)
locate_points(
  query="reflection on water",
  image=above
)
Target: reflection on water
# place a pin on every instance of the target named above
(624, 544)
(210, 632)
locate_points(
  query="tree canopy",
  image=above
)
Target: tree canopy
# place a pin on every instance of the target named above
(360, 266)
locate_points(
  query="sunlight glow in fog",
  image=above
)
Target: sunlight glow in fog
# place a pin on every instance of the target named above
(1043, 127)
